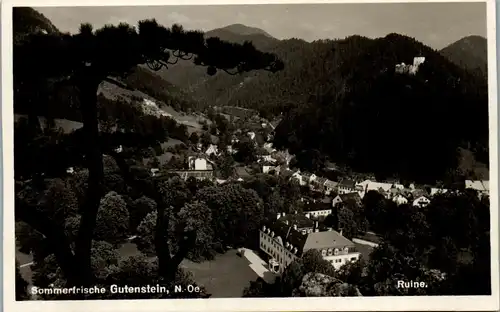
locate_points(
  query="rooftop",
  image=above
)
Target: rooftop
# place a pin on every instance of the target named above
(347, 183)
(185, 174)
(317, 206)
(299, 219)
(478, 185)
(351, 197)
(330, 183)
(315, 240)
(326, 239)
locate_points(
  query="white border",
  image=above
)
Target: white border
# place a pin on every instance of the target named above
(441, 303)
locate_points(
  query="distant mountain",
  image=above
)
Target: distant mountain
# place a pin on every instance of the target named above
(239, 29)
(470, 53)
(26, 20)
(186, 75)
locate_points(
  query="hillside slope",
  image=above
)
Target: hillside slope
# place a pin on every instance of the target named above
(470, 53)
(366, 115)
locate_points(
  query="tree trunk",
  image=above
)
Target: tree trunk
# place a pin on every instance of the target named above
(57, 240)
(88, 86)
(167, 264)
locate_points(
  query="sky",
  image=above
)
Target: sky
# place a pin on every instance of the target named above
(435, 24)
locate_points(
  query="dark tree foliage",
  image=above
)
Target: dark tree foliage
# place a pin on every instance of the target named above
(47, 61)
(371, 118)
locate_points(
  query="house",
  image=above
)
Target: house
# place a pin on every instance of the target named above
(242, 172)
(197, 174)
(316, 185)
(212, 150)
(231, 150)
(269, 147)
(481, 186)
(197, 163)
(267, 167)
(283, 156)
(199, 167)
(352, 198)
(302, 223)
(421, 201)
(287, 173)
(298, 176)
(346, 186)
(234, 139)
(154, 171)
(283, 243)
(308, 177)
(330, 186)
(436, 191)
(267, 158)
(399, 199)
(317, 209)
(381, 187)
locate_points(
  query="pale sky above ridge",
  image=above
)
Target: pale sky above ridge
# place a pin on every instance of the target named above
(434, 24)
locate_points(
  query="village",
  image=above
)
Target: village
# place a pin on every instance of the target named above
(291, 235)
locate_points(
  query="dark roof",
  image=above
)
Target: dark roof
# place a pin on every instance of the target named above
(327, 199)
(324, 180)
(299, 219)
(288, 234)
(418, 193)
(317, 206)
(315, 240)
(242, 172)
(185, 174)
(306, 175)
(353, 197)
(347, 183)
(286, 173)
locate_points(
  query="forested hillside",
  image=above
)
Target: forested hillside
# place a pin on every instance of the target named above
(376, 120)
(471, 53)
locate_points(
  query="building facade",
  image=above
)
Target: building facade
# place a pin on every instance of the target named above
(282, 241)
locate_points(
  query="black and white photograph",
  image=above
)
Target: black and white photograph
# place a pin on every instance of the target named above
(250, 151)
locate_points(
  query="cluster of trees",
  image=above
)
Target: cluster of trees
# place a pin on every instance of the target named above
(446, 245)
(227, 215)
(45, 61)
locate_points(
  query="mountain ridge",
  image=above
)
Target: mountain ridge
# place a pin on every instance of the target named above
(242, 29)
(470, 52)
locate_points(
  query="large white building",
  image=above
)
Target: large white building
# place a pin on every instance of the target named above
(481, 186)
(283, 241)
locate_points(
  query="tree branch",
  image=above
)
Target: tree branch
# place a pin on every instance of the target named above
(232, 74)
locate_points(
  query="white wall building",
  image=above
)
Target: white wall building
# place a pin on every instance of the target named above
(400, 199)
(481, 186)
(197, 163)
(421, 201)
(283, 243)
